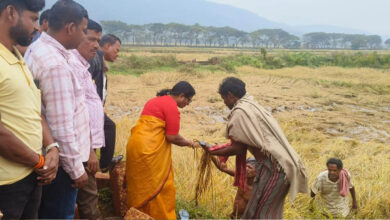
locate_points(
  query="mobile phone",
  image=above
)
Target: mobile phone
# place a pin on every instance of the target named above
(202, 144)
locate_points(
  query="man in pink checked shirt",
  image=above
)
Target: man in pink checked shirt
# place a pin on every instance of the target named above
(87, 198)
(64, 105)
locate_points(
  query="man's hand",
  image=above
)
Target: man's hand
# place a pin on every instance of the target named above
(93, 163)
(81, 181)
(224, 166)
(205, 146)
(311, 207)
(354, 206)
(49, 170)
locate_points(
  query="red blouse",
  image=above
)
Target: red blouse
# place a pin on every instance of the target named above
(164, 108)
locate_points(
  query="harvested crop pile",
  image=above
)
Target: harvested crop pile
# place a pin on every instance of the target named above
(117, 178)
(133, 214)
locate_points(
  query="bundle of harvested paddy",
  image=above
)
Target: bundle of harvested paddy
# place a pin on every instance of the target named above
(133, 214)
(204, 179)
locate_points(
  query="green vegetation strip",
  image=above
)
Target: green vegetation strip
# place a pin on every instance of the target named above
(137, 65)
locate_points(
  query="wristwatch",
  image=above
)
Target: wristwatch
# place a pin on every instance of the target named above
(50, 146)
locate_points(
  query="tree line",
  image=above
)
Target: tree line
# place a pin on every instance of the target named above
(175, 34)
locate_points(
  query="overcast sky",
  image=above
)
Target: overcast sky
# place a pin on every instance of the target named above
(368, 15)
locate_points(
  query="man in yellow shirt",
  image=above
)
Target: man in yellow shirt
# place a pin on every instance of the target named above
(23, 131)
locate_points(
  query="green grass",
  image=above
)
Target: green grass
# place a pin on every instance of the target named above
(283, 60)
(137, 65)
(199, 212)
(105, 201)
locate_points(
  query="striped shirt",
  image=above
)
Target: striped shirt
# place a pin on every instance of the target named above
(93, 101)
(335, 203)
(63, 102)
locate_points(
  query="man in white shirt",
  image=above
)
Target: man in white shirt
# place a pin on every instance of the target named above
(330, 189)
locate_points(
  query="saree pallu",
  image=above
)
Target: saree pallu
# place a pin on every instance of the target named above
(149, 174)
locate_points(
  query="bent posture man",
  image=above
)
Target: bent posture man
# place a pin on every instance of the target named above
(333, 186)
(279, 168)
(23, 131)
(49, 59)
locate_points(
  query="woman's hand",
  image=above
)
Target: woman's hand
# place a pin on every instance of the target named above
(196, 144)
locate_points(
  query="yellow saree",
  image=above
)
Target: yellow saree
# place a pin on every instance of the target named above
(149, 174)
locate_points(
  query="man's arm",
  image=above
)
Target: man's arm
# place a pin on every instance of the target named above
(316, 188)
(59, 100)
(313, 195)
(49, 171)
(14, 149)
(96, 69)
(222, 167)
(93, 163)
(354, 201)
(236, 148)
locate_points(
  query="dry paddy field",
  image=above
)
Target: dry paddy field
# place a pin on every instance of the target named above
(325, 112)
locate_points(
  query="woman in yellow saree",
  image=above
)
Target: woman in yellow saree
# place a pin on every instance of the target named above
(149, 172)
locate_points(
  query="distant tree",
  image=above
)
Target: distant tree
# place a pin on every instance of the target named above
(157, 31)
(116, 27)
(317, 40)
(387, 43)
(194, 34)
(255, 38)
(293, 44)
(244, 39)
(336, 40)
(359, 42)
(189, 35)
(177, 32)
(374, 42)
(136, 33)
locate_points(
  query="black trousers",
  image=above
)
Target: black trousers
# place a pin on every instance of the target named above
(107, 152)
(21, 200)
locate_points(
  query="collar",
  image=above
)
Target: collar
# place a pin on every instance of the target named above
(330, 181)
(100, 52)
(54, 43)
(82, 60)
(246, 97)
(9, 56)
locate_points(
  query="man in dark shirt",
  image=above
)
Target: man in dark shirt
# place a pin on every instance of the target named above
(110, 46)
